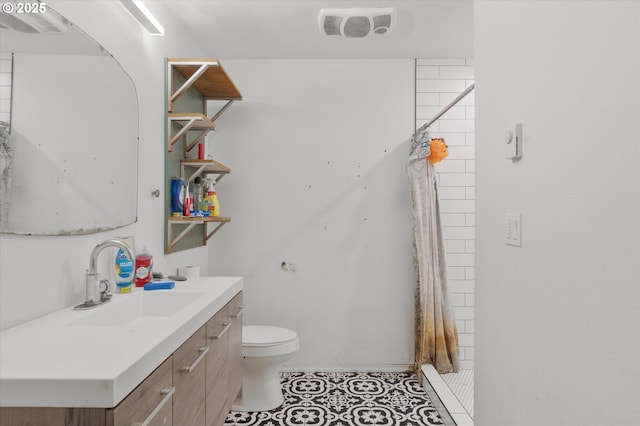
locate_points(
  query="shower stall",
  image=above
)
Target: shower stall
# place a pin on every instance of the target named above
(445, 108)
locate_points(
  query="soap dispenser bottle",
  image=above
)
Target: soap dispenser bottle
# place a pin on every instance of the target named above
(123, 267)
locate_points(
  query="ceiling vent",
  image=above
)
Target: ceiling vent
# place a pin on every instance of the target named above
(356, 23)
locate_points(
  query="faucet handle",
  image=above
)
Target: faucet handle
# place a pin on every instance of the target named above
(104, 290)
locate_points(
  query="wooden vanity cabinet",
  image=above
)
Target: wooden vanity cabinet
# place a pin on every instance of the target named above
(151, 400)
(196, 385)
(189, 369)
(224, 335)
(217, 332)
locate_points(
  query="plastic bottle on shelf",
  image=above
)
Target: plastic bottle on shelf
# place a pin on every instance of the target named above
(177, 195)
(210, 202)
(187, 205)
(144, 267)
(198, 194)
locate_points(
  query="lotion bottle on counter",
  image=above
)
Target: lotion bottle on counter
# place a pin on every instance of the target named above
(144, 267)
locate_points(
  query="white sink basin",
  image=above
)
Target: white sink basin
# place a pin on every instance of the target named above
(96, 357)
(138, 305)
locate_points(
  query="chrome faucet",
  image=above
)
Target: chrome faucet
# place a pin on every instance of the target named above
(97, 289)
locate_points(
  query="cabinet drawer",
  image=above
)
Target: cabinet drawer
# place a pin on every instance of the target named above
(217, 336)
(189, 380)
(153, 397)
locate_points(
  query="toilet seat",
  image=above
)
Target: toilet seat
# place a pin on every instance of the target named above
(267, 341)
(262, 335)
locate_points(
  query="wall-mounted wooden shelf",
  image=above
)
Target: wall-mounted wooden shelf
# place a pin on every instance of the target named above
(207, 167)
(208, 77)
(190, 223)
(191, 84)
(189, 121)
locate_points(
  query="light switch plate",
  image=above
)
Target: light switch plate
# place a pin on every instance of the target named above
(513, 229)
(513, 142)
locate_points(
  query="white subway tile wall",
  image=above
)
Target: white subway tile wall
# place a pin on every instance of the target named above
(438, 82)
(5, 86)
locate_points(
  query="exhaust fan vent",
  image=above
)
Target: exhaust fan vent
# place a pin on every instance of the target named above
(356, 23)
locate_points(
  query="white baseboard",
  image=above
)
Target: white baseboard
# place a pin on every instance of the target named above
(366, 368)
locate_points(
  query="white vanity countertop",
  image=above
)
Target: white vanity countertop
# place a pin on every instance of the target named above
(63, 360)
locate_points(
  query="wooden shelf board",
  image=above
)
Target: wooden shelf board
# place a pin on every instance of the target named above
(201, 123)
(187, 220)
(210, 166)
(214, 83)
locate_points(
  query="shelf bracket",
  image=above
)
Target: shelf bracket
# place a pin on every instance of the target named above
(189, 81)
(219, 178)
(205, 236)
(172, 242)
(196, 121)
(196, 141)
(223, 109)
(181, 132)
(194, 174)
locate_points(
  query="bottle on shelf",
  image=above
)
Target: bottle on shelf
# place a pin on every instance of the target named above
(177, 195)
(186, 208)
(210, 202)
(198, 194)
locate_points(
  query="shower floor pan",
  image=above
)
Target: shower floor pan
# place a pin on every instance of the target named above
(455, 390)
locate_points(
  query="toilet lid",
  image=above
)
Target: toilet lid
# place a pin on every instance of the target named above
(262, 335)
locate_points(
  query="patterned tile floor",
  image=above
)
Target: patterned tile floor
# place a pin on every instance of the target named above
(346, 399)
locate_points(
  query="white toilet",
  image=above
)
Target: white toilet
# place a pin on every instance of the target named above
(264, 348)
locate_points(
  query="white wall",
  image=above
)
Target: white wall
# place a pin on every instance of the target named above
(317, 151)
(558, 319)
(41, 274)
(438, 82)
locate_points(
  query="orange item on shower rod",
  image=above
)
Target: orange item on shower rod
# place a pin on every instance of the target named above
(437, 150)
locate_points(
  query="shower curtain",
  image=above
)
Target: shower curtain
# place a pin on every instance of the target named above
(436, 337)
(6, 174)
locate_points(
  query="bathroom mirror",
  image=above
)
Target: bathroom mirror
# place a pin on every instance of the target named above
(69, 131)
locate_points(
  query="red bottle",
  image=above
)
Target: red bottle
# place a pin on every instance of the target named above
(187, 206)
(144, 266)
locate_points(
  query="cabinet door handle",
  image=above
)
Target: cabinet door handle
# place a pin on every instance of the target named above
(203, 352)
(226, 325)
(168, 393)
(237, 314)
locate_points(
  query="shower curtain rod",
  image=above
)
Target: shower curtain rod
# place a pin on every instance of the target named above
(445, 109)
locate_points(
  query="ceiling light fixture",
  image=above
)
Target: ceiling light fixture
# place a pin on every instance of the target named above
(143, 16)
